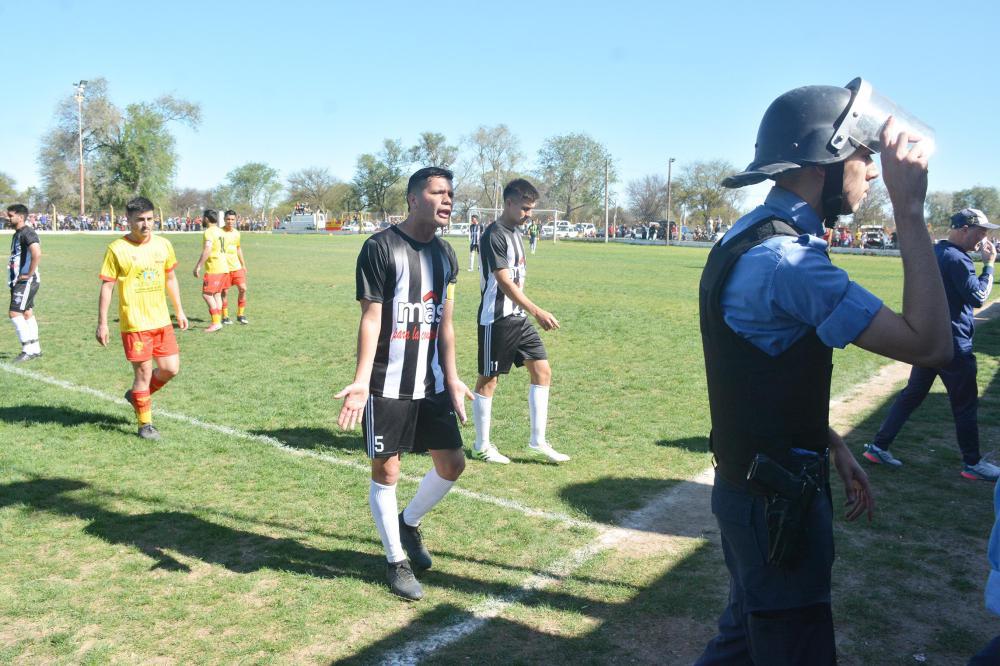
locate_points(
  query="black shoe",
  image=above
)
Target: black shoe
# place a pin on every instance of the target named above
(24, 356)
(243, 320)
(227, 321)
(149, 432)
(402, 582)
(413, 544)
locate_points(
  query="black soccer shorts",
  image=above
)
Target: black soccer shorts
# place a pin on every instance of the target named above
(392, 426)
(22, 295)
(506, 342)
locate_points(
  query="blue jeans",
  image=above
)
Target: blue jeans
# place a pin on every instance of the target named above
(775, 616)
(959, 378)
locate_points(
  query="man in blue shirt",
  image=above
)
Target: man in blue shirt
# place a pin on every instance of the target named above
(966, 291)
(772, 308)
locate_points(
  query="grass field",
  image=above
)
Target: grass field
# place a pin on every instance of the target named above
(245, 534)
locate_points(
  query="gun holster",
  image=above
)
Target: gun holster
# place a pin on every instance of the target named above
(789, 496)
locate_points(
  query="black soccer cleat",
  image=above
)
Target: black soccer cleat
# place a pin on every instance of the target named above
(243, 320)
(413, 544)
(227, 321)
(149, 432)
(24, 356)
(402, 582)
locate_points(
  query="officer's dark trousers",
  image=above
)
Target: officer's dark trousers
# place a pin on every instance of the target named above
(959, 379)
(775, 617)
(989, 655)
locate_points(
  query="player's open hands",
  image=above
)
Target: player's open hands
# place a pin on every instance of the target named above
(102, 334)
(546, 320)
(904, 170)
(856, 487)
(459, 393)
(355, 397)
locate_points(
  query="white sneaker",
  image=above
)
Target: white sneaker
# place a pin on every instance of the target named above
(489, 453)
(546, 450)
(981, 471)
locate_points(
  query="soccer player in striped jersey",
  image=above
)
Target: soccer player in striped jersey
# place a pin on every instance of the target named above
(406, 389)
(23, 278)
(216, 268)
(142, 265)
(475, 232)
(506, 337)
(237, 266)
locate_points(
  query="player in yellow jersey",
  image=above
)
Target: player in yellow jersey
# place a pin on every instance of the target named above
(237, 269)
(216, 268)
(142, 265)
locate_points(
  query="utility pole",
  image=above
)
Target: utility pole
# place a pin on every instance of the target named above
(81, 86)
(670, 166)
(607, 167)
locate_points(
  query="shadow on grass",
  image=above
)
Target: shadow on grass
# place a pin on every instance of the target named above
(317, 439)
(692, 444)
(606, 500)
(67, 417)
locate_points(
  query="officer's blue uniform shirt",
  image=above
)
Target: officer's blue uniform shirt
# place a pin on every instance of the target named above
(965, 291)
(785, 286)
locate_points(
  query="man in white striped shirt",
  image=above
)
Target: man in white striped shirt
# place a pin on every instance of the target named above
(506, 337)
(406, 390)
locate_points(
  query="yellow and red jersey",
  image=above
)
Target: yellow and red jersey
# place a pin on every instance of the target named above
(140, 269)
(231, 246)
(216, 262)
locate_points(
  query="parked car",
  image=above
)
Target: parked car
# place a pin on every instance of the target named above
(565, 229)
(350, 227)
(546, 231)
(873, 236)
(458, 229)
(367, 227)
(586, 230)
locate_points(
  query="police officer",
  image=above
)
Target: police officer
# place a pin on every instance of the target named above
(772, 307)
(965, 291)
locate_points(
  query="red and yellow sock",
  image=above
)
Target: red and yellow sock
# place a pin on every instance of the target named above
(225, 309)
(241, 306)
(216, 316)
(143, 406)
(155, 384)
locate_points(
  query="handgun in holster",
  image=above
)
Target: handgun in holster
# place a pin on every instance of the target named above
(789, 496)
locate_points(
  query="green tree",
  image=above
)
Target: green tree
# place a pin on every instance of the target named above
(697, 188)
(189, 202)
(986, 199)
(432, 149)
(375, 175)
(939, 209)
(8, 191)
(572, 166)
(138, 158)
(249, 189)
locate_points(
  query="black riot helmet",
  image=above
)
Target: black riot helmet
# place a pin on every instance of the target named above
(823, 126)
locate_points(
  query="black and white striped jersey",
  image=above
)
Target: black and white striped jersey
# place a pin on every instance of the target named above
(500, 247)
(411, 280)
(20, 256)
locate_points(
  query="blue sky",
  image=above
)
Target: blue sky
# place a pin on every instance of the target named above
(298, 84)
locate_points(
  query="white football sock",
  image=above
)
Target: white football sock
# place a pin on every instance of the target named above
(472, 260)
(385, 511)
(538, 406)
(36, 348)
(431, 491)
(482, 409)
(22, 330)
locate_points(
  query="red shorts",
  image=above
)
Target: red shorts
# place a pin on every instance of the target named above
(155, 343)
(214, 283)
(239, 278)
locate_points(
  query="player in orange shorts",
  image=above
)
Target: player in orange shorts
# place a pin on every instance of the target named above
(143, 267)
(216, 269)
(237, 269)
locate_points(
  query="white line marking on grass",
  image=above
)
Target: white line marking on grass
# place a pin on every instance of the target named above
(636, 522)
(302, 453)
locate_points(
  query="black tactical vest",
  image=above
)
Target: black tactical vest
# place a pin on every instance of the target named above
(759, 403)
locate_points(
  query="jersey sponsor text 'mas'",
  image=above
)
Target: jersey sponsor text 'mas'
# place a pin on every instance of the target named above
(140, 269)
(500, 247)
(411, 280)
